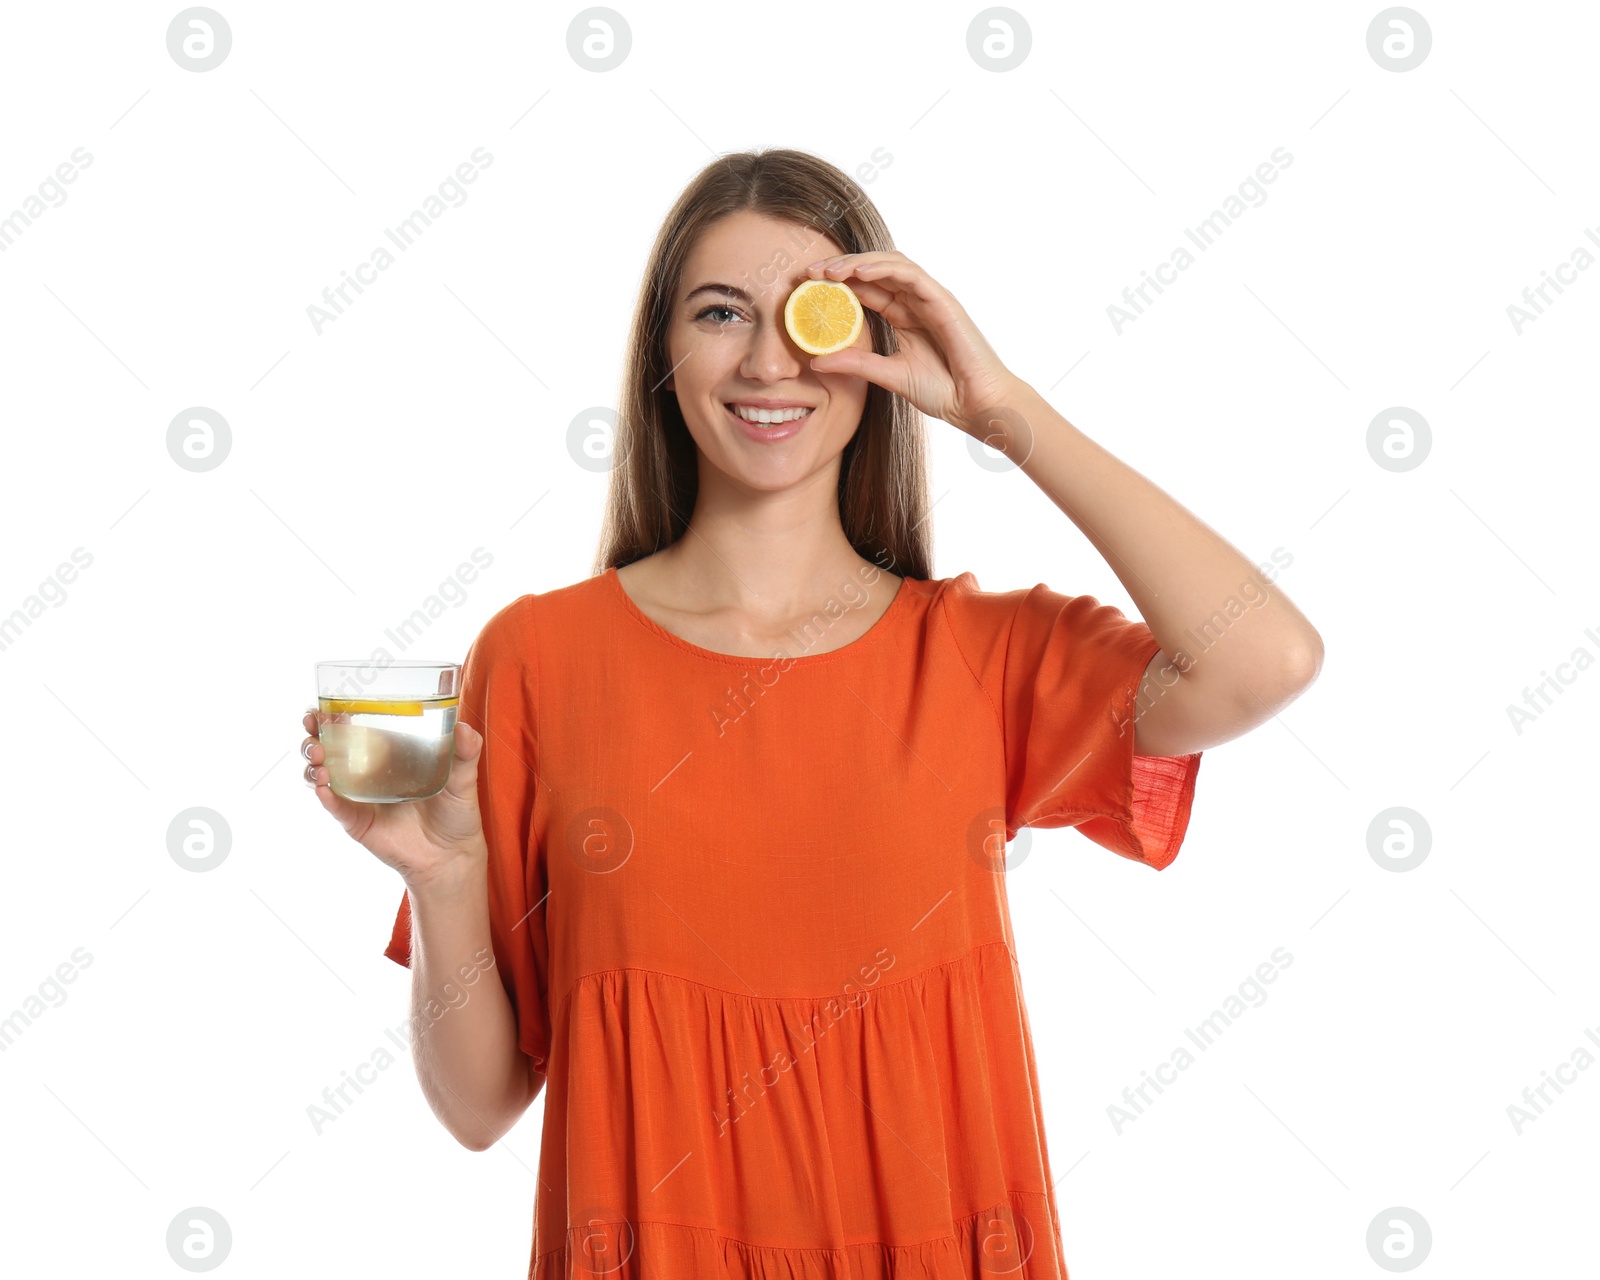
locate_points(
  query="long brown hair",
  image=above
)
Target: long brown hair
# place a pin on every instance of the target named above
(883, 481)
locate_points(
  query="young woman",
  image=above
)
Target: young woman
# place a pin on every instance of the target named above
(728, 817)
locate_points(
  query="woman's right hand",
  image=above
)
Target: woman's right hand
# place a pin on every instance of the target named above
(418, 838)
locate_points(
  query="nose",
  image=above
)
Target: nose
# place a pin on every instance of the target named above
(772, 355)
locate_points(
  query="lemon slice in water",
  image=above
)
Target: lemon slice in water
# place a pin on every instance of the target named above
(384, 706)
(823, 316)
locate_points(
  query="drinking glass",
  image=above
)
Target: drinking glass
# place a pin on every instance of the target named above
(387, 728)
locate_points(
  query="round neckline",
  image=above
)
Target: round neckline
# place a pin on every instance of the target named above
(896, 607)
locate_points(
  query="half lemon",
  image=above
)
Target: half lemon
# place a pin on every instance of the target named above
(823, 316)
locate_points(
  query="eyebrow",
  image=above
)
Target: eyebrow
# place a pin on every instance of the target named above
(728, 289)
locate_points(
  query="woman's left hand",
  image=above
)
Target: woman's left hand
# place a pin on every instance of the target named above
(943, 366)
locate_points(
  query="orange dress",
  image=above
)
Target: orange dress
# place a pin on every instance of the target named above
(752, 918)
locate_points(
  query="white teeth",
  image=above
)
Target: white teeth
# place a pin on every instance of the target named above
(767, 417)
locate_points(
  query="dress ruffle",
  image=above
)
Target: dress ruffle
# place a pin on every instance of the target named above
(987, 1244)
(887, 1134)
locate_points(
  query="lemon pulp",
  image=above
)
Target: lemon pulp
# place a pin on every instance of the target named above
(823, 316)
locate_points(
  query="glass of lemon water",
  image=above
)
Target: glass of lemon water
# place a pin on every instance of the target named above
(387, 728)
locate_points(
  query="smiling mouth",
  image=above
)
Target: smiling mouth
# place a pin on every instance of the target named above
(768, 417)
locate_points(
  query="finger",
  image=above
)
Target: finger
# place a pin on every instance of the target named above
(857, 259)
(468, 741)
(868, 266)
(899, 274)
(346, 813)
(858, 363)
(311, 749)
(874, 297)
(851, 267)
(463, 782)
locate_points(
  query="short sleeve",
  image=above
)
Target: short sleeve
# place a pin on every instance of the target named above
(498, 682)
(1063, 675)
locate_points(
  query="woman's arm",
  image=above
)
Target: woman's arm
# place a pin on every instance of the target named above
(1222, 670)
(472, 1072)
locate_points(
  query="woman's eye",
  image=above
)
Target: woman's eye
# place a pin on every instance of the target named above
(716, 307)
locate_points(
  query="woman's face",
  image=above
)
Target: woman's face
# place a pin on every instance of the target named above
(726, 344)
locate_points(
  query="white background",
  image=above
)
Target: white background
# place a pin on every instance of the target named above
(430, 419)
